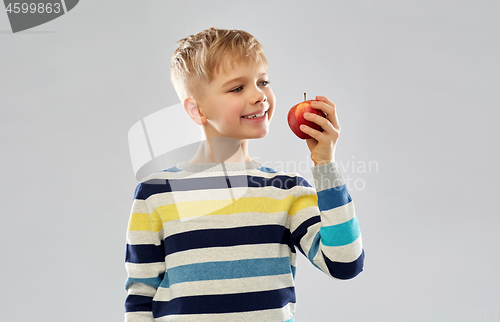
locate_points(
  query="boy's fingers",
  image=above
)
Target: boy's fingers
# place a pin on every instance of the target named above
(329, 108)
(325, 123)
(324, 99)
(312, 132)
(329, 131)
(335, 121)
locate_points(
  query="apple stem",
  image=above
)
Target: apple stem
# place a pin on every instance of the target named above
(305, 97)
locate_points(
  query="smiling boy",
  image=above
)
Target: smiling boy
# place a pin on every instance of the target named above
(222, 108)
(215, 238)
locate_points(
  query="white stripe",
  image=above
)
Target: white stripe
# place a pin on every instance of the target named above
(138, 316)
(141, 289)
(225, 221)
(148, 270)
(139, 207)
(302, 215)
(330, 217)
(293, 259)
(344, 254)
(144, 237)
(167, 198)
(338, 215)
(203, 255)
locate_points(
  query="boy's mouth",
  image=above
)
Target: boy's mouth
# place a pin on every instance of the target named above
(253, 116)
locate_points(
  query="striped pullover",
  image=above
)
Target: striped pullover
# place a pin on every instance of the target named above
(218, 242)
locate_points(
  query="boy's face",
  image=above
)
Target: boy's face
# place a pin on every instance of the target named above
(241, 90)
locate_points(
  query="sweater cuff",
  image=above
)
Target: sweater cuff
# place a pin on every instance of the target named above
(326, 176)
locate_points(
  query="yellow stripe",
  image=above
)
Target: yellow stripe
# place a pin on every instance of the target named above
(166, 213)
(142, 221)
(302, 202)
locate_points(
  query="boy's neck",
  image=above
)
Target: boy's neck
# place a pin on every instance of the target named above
(221, 150)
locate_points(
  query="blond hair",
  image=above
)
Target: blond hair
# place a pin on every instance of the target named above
(201, 56)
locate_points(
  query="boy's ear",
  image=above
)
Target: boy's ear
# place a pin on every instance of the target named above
(193, 111)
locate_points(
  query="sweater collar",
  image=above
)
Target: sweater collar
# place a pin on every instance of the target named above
(240, 166)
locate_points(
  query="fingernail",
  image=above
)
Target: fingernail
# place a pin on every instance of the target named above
(307, 114)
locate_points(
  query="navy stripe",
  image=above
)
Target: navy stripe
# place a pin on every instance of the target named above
(138, 303)
(225, 303)
(264, 234)
(345, 271)
(302, 230)
(279, 181)
(138, 192)
(139, 254)
(148, 188)
(333, 198)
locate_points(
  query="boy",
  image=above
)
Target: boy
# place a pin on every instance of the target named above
(215, 238)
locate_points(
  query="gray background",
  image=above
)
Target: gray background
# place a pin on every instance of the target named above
(416, 85)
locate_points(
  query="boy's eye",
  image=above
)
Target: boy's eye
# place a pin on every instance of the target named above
(240, 88)
(237, 89)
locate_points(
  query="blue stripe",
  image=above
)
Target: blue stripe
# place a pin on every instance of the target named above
(345, 270)
(229, 270)
(141, 254)
(154, 186)
(333, 198)
(291, 320)
(226, 303)
(341, 234)
(165, 283)
(223, 237)
(314, 249)
(152, 281)
(138, 303)
(267, 169)
(171, 169)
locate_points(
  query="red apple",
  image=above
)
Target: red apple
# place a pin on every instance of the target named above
(296, 118)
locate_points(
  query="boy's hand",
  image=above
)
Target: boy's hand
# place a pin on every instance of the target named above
(322, 144)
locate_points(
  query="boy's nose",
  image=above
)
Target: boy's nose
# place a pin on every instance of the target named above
(259, 97)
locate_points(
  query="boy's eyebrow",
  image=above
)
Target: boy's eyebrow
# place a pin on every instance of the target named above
(240, 79)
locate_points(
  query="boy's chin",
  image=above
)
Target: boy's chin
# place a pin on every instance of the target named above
(260, 136)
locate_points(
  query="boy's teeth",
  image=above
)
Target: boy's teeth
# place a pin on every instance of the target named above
(254, 116)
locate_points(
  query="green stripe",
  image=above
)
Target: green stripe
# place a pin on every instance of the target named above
(341, 234)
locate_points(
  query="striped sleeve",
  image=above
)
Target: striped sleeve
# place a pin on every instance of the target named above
(324, 226)
(144, 259)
